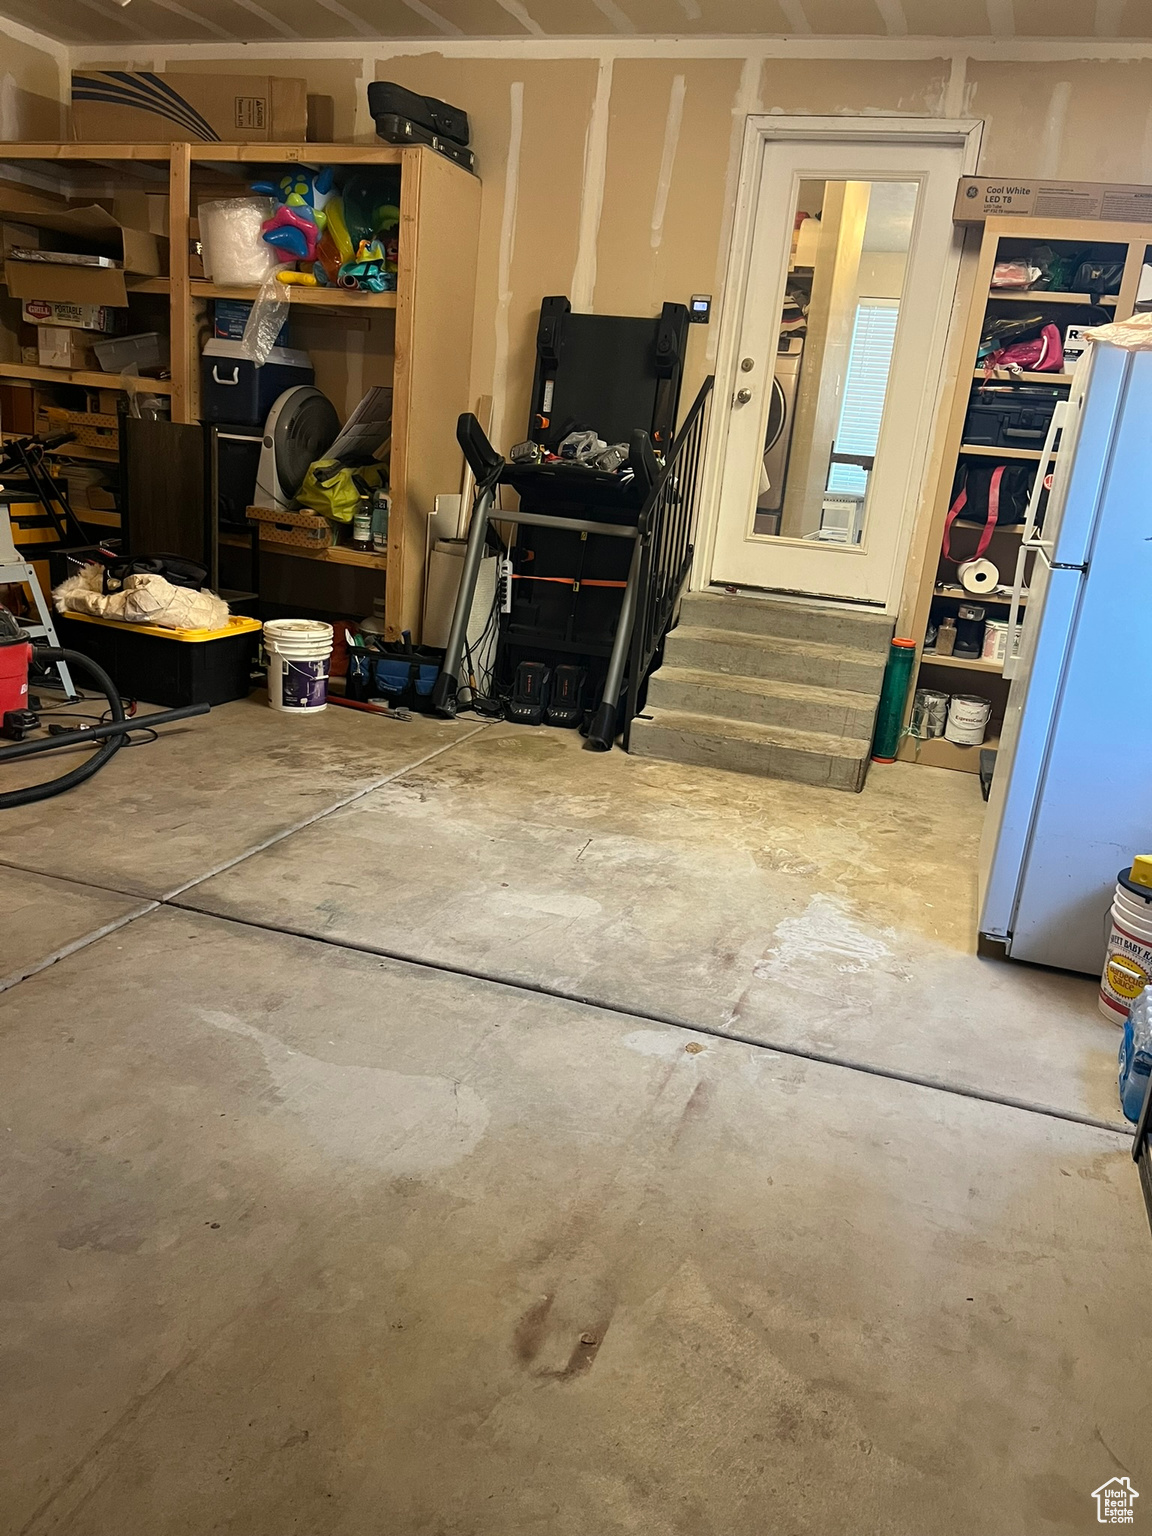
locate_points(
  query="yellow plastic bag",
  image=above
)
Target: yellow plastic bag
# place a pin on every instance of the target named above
(334, 490)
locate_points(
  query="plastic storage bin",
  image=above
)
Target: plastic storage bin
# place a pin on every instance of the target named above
(233, 389)
(1010, 416)
(147, 349)
(168, 666)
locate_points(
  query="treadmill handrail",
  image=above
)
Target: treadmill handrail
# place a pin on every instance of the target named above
(483, 460)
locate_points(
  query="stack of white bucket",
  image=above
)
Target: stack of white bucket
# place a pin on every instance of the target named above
(299, 652)
(1128, 968)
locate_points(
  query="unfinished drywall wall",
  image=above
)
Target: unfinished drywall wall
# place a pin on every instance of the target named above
(609, 170)
(33, 85)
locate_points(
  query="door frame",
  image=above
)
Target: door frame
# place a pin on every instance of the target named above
(761, 131)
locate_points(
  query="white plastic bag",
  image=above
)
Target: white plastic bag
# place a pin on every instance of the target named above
(231, 235)
(265, 320)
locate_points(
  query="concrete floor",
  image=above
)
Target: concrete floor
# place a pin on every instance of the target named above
(438, 1129)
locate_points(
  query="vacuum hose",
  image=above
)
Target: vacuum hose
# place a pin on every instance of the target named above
(112, 738)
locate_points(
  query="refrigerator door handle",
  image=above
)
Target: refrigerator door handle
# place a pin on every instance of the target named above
(1015, 615)
(1029, 538)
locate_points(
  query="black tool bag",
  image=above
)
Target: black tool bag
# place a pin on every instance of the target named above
(1010, 416)
(1002, 331)
(995, 495)
(386, 99)
(174, 569)
(1098, 278)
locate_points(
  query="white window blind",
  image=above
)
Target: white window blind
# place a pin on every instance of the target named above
(866, 384)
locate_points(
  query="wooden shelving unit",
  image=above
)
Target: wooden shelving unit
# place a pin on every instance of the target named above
(963, 663)
(942, 753)
(416, 340)
(989, 599)
(939, 593)
(1045, 296)
(89, 377)
(1023, 377)
(999, 453)
(309, 298)
(336, 554)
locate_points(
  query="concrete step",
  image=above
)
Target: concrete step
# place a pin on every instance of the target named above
(770, 751)
(774, 656)
(860, 629)
(763, 701)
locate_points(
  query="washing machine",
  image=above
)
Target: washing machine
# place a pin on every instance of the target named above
(778, 436)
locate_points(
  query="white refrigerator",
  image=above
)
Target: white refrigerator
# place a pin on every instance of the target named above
(1071, 798)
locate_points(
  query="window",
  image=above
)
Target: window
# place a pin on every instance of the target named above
(866, 383)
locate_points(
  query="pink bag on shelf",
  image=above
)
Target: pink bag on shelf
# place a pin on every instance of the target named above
(1043, 354)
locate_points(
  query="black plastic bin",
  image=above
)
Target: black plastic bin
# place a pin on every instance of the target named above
(174, 666)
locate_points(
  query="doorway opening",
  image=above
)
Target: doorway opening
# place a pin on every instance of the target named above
(839, 297)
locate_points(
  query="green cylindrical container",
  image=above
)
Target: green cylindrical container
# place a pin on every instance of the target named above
(897, 674)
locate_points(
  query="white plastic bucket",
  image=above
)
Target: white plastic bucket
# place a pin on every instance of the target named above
(299, 652)
(967, 719)
(1128, 965)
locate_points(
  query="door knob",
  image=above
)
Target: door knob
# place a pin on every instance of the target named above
(743, 396)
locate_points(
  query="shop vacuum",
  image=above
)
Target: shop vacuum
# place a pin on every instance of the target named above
(17, 721)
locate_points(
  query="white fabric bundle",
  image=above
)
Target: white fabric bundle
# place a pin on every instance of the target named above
(141, 600)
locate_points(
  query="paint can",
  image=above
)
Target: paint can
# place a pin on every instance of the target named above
(929, 712)
(299, 654)
(967, 719)
(1128, 964)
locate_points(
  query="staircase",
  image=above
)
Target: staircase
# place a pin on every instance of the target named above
(784, 689)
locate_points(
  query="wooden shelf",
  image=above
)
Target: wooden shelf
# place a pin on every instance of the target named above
(419, 345)
(1010, 528)
(1021, 378)
(70, 451)
(91, 378)
(134, 285)
(338, 554)
(965, 663)
(939, 752)
(319, 298)
(1003, 453)
(1044, 296)
(949, 589)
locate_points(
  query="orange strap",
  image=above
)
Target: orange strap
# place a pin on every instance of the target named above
(575, 582)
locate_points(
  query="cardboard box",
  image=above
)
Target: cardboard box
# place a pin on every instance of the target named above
(982, 197)
(1075, 345)
(143, 210)
(25, 235)
(81, 317)
(70, 229)
(17, 408)
(62, 347)
(230, 318)
(134, 107)
(321, 119)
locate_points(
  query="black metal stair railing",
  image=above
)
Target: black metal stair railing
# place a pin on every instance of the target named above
(668, 526)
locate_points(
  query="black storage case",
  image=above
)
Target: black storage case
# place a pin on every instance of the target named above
(1010, 415)
(161, 671)
(386, 99)
(401, 130)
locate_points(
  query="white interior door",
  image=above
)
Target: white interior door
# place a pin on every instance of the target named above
(829, 372)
